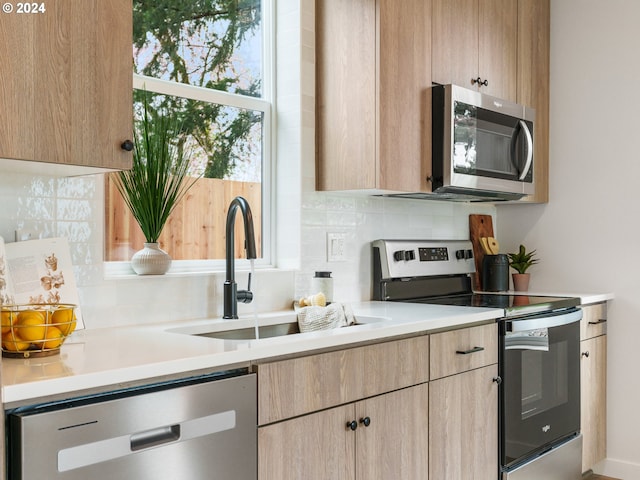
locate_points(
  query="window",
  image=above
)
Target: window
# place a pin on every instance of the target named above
(207, 62)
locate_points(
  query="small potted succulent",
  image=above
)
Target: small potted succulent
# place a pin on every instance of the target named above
(520, 262)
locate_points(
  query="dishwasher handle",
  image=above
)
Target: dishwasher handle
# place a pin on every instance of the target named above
(154, 437)
(124, 445)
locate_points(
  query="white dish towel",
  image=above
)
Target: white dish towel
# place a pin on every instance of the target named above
(311, 319)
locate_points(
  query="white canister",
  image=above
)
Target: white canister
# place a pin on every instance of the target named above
(322, 282)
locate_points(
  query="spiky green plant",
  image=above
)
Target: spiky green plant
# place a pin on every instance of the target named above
(159, 178)
(522, 260)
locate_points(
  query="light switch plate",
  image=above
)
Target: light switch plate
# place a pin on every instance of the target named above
(336, 247)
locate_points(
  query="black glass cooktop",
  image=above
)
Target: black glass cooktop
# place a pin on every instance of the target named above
(512, 304)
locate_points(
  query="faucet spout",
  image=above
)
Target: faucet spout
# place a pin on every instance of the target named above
(231, 294)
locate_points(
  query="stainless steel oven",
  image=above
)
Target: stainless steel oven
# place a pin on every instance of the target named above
(539, 363)
(539, 359)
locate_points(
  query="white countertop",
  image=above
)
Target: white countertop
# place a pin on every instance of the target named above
(97, 358)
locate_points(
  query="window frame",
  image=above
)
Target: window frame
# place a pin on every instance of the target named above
(264, 104)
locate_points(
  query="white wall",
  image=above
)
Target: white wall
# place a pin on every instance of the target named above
(588, 236)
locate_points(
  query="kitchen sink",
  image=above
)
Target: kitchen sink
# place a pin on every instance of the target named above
(265, 331)
(268, 327)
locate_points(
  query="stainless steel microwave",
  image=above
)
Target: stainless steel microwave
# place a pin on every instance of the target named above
(482, 145)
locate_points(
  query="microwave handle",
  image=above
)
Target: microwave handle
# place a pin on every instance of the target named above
(529, 138)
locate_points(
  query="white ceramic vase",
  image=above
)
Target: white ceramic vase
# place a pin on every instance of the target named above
(151, 260)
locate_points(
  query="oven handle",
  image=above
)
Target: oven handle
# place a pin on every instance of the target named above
(546, 321)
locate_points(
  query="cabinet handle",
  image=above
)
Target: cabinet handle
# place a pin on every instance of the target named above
(602, 320)
(366, 421)
(352, 425)
(480, 82)
(127, 145)
(467, 352)
(498, 380)
(585, 354)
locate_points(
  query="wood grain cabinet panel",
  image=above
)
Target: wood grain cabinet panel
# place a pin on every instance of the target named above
(373, 72)
(593, 383)
(391, 443)
(297, 386)
(533, 84)
(460, 350)
(476, 39)
(396, 442)
(66, 84)
(315, 446)
(463, 426)
(594, 321)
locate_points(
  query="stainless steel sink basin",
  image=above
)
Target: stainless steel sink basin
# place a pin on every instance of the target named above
(269, 327)
(265, 331)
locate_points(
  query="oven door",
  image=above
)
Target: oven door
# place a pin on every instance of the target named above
(540, 390)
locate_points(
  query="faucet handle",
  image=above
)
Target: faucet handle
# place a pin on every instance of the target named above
(245, 296)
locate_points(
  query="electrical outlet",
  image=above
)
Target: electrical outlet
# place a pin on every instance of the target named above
(23, 234)
(336, 247)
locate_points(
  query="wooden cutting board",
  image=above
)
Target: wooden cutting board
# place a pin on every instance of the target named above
(479, 226)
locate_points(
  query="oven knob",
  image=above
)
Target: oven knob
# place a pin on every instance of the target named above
(459, 254)
(409, 255)
(468, 254)
(398, 255)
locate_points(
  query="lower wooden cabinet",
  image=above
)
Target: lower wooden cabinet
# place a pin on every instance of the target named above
(390, 441)
(463, 426)
(593, 382)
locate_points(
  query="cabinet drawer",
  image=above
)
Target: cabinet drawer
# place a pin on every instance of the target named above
(594, 321)
(465, 349)
(296, 386)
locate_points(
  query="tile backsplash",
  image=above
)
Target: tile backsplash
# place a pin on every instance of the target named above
(363, 219)
(74, 208)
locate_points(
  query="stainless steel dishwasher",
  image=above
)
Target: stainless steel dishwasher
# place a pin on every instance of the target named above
(197, 428)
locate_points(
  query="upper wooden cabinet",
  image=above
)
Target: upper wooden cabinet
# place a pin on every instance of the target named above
(373, 123)
(474, 45)
(66, 84)
(376, 64)
(533, 84)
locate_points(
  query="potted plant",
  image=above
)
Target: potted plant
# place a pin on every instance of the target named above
(158, 180)
(520, 262)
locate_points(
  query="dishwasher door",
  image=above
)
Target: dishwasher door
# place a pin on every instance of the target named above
(184, 430)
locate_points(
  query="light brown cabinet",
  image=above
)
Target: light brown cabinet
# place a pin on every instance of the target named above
(373, 123)
(593, 382)
(533, 84)
(463, 404)
(358, 413)
(66, 95)
(389, 440)
(375, 64)
(475, 45)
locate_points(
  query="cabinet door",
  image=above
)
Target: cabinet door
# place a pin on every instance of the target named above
(497, 41)
(404, 100)
(533, 84)
(454, 57)
(593, 368)
(395, 444)
(67, 83)
(463, 426)
(345, 94)
(318, 446)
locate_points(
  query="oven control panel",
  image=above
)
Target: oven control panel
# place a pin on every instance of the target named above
(434, 254)
(413, 258)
